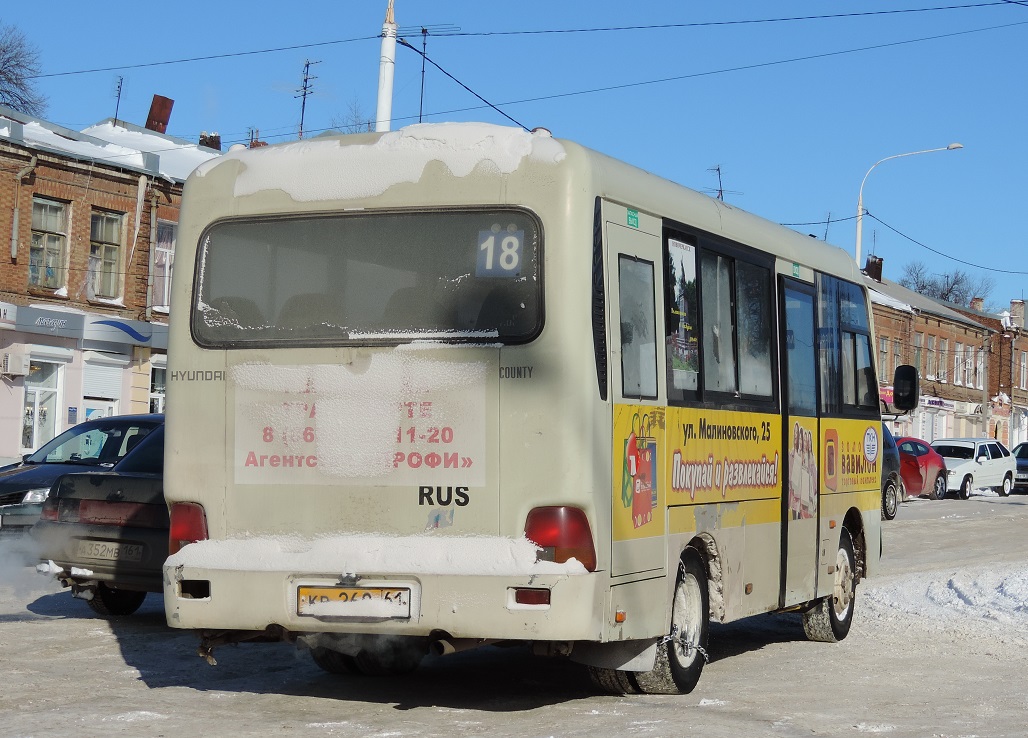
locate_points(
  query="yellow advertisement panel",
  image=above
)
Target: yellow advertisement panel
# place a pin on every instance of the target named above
(639, 448)
(723, 456)
(851, 455)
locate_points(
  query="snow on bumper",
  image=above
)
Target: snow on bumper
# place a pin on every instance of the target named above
(461, 585)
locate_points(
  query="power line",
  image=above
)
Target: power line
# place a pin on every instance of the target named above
(990, 268)
(403, 42)
(661, 26)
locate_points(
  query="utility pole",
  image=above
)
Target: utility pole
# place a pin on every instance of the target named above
(304, 91)
(386, 66)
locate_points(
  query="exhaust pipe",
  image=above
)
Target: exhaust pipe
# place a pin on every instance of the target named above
(446, 646)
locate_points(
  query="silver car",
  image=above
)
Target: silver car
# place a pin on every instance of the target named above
(973, 463)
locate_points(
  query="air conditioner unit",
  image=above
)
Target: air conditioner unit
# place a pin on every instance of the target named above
(15, 365)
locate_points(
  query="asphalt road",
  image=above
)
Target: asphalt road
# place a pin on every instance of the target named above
(915, 664)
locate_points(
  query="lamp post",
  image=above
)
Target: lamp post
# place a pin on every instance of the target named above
(860, 197)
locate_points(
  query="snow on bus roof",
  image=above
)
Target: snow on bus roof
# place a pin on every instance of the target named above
(373, 554)
(309, 170)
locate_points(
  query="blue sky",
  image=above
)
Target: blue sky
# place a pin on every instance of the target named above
(793, 101)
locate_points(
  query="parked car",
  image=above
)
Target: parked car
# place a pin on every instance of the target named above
(922, 468)
(105, 534)
(1020, 453)
(972, 463)
(891, 482)
(98, 444)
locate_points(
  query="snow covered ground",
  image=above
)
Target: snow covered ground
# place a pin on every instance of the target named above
(938, 648)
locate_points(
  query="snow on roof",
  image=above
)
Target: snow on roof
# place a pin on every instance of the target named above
(177, 157)
(124, 145)
(307, 170)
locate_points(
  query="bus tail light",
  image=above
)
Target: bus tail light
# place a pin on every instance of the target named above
(188, 525)
(563, 533)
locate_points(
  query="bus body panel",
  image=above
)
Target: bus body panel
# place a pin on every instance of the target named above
(289, 448)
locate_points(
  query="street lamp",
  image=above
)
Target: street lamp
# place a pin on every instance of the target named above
(860, 197)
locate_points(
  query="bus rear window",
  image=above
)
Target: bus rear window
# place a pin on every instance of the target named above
(370, 278)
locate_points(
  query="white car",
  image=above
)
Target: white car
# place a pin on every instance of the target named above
(977, 462)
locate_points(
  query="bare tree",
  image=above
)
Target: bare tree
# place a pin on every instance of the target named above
(355, 121)
(958, 286)
(19, 62)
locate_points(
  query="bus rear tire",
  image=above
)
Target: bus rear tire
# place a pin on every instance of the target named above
(611, 681)
(681, 658)
(335, 662)
(830, 619)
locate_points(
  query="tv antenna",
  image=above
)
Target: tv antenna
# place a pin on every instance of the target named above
(117, 97)
(720, 191)
(305, 90)
(439, 29)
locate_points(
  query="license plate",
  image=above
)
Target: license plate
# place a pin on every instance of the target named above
(1022, 476)
(364, 602)
(107, 551)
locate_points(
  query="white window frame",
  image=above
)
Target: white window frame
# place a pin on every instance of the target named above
(979, 368)
(105, 251)
(943, 359)
(164, 262)
(931, 366)
(1024, 370)
(49, 244)
(958, 364)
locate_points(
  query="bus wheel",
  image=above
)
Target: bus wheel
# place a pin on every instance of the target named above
(939, 490)
(335, 662)
(829, 620)
(682, 654)
(890, 500)
(611, 681)
(965, 488)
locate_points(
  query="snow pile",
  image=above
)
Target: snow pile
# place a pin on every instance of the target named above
(310, 170)
(374, 554)
(970, 601)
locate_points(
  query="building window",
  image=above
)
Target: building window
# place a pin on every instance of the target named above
(39, 423)
(931, 370)
(979, 368)
(49, 242)
(883, 356)
(958, 364)
(157, 379)
(104, 255)
(163, 261)
(943, 359)
(897, 352)
(1024, 370)
(969, 366)
(918, 357)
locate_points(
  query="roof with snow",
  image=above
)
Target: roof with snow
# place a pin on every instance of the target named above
(114, 143)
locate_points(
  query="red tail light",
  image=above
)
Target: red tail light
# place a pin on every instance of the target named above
(49, 511)
(188, 525)
(563, 533)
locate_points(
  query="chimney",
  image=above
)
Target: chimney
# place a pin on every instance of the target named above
(211, 140)
(978, 303)
(160, 114)
(1017, 313)
(873, 268)
(255, 139)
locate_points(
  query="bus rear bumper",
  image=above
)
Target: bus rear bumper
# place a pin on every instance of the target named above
(549, 605)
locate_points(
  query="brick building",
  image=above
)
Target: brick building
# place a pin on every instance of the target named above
(973, 363)
(1008, 369)
(90, 219)
(949, 349)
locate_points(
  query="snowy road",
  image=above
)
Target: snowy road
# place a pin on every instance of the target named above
(939, 647)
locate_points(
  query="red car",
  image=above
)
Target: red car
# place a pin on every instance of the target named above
(922, 469)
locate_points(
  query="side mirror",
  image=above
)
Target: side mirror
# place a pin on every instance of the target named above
(906, 393)
(982, 458)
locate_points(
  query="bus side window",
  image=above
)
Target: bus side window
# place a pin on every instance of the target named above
(638, 320)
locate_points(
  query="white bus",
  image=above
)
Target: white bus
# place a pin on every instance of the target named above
(461, 384)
